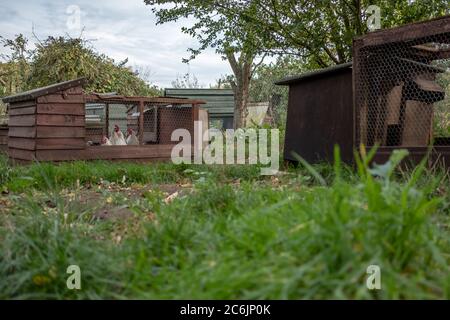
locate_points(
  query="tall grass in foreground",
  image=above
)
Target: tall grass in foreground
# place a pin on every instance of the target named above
(46, 176)
(249, 241)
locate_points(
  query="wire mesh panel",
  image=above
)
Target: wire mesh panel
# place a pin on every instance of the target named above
(95, 122)
(120, 122)
(172, 117)
(402, 92)
(112, 122)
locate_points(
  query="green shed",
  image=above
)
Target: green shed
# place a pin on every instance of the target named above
(219, 103)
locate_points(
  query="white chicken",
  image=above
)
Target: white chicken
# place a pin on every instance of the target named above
(105, 141)
(132, 140)
(117, 137)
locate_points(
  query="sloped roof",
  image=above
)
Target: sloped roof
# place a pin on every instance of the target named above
(219, 102)
(39, 92)
(313, 74)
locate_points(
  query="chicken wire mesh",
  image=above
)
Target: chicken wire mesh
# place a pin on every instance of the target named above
(120, 123)
(403, 93)
(161, 120)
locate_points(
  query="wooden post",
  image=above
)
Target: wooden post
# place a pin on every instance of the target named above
(195, 116)
(107, 120)
(197, 143)
(141, 122)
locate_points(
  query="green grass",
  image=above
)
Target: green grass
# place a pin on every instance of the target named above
(230, 234)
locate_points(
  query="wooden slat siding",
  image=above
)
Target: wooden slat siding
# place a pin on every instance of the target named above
(21, 154)
(60, 132)
(323, 102)
(22, 104)
(107, 153)
(22, 132)
(22, 143)
(3, 140)
(60, 144)
(62, 109)
(22, 111)
(60, 98)
(3, 135)
(128, 152)
(60, 120)
(22, 121)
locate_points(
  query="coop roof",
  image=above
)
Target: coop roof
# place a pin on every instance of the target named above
(39, 92)
(218, 102)
(314, 74)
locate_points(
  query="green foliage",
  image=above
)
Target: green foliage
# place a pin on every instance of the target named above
(61, 59)
(217, 26)
(45, 176)
(186, 81)
(256, 239)
(263, 88)
(321, 32)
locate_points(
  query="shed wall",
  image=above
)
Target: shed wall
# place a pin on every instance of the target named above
(320, 115)
(50, 122)
(22, 130)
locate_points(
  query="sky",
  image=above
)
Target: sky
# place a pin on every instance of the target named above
(118, 28)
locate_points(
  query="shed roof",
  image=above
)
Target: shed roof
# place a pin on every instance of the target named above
(39, 92)
(219, 102)
(314, 74)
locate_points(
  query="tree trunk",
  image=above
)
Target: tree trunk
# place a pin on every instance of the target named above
(242, 70)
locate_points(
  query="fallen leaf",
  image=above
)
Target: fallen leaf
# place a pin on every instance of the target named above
(171, 197)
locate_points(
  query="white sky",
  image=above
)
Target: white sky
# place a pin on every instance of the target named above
(120, 29)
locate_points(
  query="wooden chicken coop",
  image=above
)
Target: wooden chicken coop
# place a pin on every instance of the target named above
(60, 122)
(395, 94)
(401, 89)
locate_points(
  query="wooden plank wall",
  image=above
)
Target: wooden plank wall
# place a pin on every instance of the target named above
(52, 122)
(60, 123)
(154, 152)
(22, 130)
(52, 128)
(3, 138)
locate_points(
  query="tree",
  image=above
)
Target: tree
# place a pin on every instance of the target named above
(263, 89)
(217, 26)
(60, 59)
(15, 69)
(320, 33)
(222, 83)
(186, 81)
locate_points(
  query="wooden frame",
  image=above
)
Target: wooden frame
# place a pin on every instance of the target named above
(49, 124)
(408, 36)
